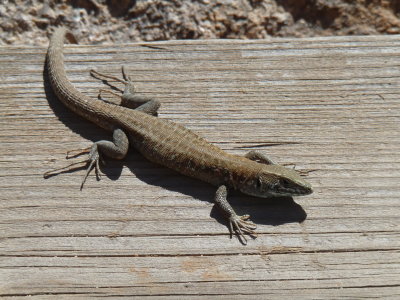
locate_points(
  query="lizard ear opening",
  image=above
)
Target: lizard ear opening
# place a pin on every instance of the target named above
(284, 182)
(258, 183)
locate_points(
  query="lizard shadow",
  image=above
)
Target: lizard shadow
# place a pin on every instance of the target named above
(271, 211)
(274, 211)
(267, 211)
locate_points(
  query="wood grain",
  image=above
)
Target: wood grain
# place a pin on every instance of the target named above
(330, 105)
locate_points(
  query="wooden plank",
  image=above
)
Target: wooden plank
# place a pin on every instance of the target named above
(275, 275)
(326, 104)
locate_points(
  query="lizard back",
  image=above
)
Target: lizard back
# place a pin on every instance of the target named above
(178, 148)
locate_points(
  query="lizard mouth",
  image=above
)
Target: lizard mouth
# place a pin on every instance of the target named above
(294, 191)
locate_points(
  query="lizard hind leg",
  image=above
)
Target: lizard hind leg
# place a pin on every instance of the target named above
(128, 97)
(117, 149)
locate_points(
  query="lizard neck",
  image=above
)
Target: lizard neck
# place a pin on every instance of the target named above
(233, 171)
(243, 171)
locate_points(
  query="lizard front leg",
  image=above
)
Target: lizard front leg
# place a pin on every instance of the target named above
(129, 98)
(237, 224)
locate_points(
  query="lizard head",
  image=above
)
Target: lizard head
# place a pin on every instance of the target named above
(276, 181)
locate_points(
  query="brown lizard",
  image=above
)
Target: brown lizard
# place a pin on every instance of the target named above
(134, 123)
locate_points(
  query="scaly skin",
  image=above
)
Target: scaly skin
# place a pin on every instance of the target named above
(172, 145)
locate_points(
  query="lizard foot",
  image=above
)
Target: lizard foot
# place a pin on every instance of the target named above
(126, 80)
(241, 225)
(92, 162)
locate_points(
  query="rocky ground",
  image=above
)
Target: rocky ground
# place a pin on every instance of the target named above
(29, 22)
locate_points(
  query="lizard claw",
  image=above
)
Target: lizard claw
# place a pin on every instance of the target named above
(241, 225)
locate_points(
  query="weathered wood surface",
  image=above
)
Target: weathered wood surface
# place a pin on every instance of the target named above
(329, 104)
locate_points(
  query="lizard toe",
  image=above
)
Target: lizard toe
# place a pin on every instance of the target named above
(241, 227)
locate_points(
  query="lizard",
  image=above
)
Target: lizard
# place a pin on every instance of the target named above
(134, 123)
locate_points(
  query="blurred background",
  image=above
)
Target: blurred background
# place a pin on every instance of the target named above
(25, 22)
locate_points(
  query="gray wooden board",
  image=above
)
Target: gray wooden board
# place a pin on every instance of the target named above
(325, 104)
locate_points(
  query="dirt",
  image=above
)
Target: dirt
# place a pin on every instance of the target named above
(30, 22)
